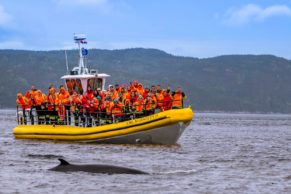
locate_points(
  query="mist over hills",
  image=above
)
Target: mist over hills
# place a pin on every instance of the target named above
(251, 83)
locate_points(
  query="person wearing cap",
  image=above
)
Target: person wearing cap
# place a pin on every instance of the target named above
(178, 97)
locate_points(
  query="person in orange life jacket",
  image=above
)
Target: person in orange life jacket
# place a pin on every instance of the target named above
(117, 88)
(160, 98)
(153, 89)
(133, 97)
(22, 102)
(138, 106)
(52, 105)
(93, 110)
(140, 89)
(146, 92)
(168, 100)
(31, 103)
(98, 94)
(76, 107)
(127, 109)
(149, 105)
(178, 97)
(106, 107)
(64, 105)
(33, 91)
(135, 84)
(40, 100)
(116, 110)
(124, 94)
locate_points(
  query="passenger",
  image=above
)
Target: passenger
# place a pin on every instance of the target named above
(160, 99)
(127, 109)
(168, 100)
(116, 111)
(98, 94)
(138, 106)
(154, 99)
(178, 97)
(64, 106)
(149, 105)
(117, 88)
(146, 92)
(135, 84)
(107, 106)
(153, 89)
(40, 105)
(124, 94)
(140, 89)
(76, 107)
(33, 91)
(31, 103)
(22, 102)
(133, 97)
(89, 93)
(52, 106)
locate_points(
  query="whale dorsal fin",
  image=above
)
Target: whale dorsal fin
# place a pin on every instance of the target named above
(63, 162)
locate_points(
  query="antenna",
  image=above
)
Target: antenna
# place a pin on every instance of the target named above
(67, 64)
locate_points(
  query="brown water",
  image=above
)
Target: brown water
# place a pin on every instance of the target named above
(218, 153)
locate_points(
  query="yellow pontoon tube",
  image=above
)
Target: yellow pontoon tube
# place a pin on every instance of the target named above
(160, 128)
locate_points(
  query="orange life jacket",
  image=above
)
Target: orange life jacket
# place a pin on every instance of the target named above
(117, 110)
(40, 99)
(177, 100)
(149, 104)
(64, 98)
(138, 106)
(23, 102)
(160, 99)
(52, 101)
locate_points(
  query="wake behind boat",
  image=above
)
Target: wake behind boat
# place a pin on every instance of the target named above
(86, 112)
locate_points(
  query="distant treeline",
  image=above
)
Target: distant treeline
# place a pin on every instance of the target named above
(251, 83)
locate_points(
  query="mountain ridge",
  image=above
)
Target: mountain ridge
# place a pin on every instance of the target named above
(240, 83)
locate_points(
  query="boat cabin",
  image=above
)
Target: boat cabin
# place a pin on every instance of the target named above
(81, 77)
(80, 83)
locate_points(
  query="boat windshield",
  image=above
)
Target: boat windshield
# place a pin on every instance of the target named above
(74, 85)
(94, 83)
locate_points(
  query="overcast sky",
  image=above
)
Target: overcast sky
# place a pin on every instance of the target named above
(198, 28)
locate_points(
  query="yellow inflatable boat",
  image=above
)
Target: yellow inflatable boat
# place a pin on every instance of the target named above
(160, 128)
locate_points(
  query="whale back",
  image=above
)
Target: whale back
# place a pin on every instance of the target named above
(65, 166)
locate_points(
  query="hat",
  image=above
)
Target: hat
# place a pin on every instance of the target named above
(110, 86)
(19, 95)
(98, 88)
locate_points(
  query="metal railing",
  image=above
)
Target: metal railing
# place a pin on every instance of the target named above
(81, 116)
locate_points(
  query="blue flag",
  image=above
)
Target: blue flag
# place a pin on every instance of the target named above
(84, 51)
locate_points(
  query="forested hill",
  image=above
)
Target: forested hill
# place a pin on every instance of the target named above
(260, 83)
